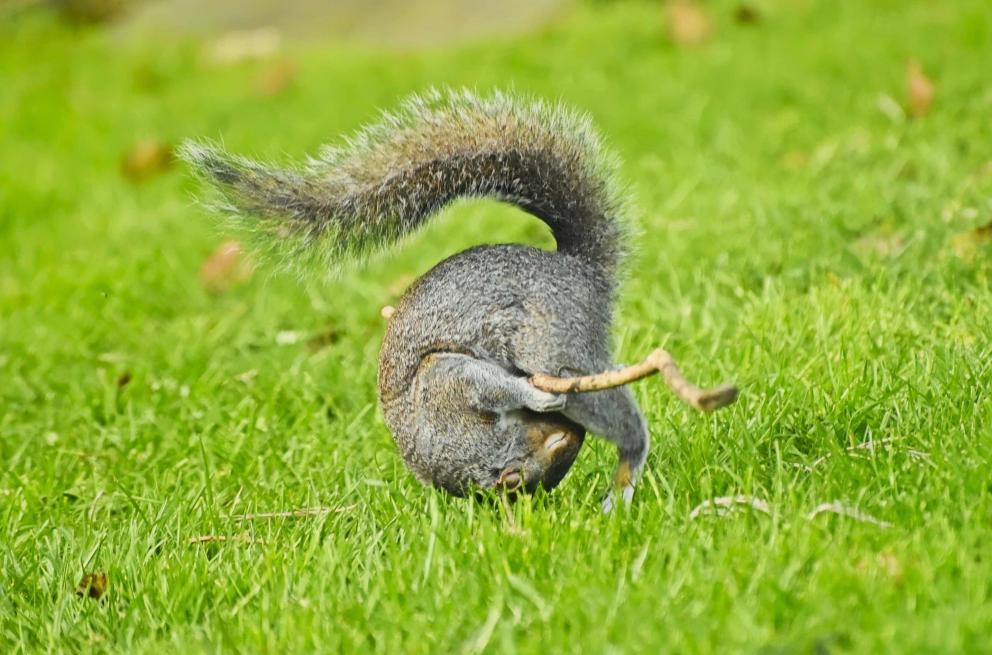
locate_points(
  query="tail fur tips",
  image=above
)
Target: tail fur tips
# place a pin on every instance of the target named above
(392, 176)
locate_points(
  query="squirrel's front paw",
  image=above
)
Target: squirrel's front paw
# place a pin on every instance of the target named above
(542, 401)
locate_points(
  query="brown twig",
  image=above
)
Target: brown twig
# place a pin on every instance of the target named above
(849, 512)
(659, 361)
(727, 503)
(295, 513)
(215, 538)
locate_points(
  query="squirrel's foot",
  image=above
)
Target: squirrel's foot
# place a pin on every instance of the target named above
(623, 485)
(626, 493)
(542, 401)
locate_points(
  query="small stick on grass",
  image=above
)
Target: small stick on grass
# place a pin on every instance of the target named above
(728, 503)
(659, 361)
(849, 512)
(295, 513)
(220, 538)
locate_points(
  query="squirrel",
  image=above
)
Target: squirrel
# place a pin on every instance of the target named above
(465, 337)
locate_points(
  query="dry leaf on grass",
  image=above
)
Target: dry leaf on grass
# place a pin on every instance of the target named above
(725, 504)
(884, 562)
(248, 376)
(884, 243)
(289, 337)
(686, 22)
(323, 339)
(746, 14)
(967, 244)
(795, 160)
(244, 45)
(90, 11)
(848, 512)
(313, 340)
(920, 91)
(145, 159)
(275, 79)
(93, 585)
(225, 267)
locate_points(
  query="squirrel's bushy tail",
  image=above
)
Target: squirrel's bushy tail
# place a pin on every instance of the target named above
(392, 176)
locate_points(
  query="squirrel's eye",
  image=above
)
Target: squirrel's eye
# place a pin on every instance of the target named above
(510, 480)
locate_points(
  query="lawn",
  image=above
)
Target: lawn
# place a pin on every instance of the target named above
(801, 232)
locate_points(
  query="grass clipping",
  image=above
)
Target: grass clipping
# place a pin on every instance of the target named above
(659, 361)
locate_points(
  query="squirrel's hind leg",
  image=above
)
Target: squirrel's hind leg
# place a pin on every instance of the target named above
(491, 388)
(613, 414)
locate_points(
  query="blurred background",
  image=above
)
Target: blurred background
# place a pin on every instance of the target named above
(388, 23)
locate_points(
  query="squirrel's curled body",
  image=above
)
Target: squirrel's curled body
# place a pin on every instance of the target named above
(521, 309)
(454, 367)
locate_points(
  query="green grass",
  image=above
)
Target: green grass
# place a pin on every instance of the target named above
(797, 236)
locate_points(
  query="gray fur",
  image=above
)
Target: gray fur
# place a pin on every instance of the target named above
(392, 176)
(455, 360)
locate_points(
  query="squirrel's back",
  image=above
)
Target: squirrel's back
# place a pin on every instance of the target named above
(525, 309)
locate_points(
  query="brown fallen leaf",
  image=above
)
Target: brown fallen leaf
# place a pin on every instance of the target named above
(884, 243)
(90, 11)
(124, 379)
(93, 585)
(687, 23)
(244, 45)
(323, 339)
(920, 91)
(225, 267)
(275, 79)
(884, 562)
(967, 244)
(746, 14)
(145, 159)
(147, 77)
(248, 376)
(795, 160)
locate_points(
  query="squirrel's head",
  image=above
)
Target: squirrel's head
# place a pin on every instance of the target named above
(540, 455)
(530, 451)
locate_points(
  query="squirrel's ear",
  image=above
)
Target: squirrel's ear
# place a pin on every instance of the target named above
(509, 479)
